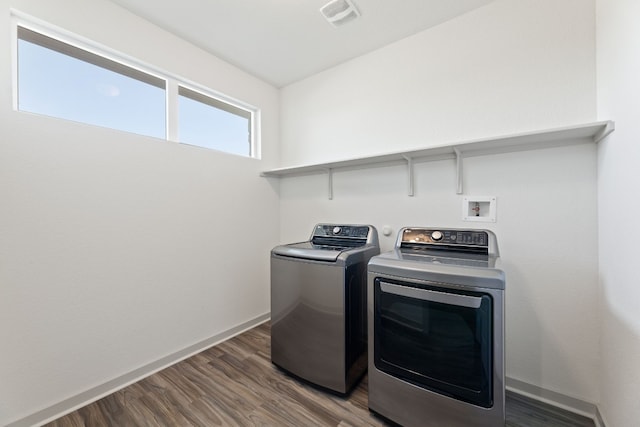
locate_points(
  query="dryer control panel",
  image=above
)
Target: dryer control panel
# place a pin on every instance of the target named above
(467, 240)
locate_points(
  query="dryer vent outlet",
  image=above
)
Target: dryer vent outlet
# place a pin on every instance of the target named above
(479, 208)
(339, 12)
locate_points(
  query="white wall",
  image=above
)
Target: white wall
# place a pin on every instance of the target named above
(619, 205)
(510, 66)
(118, 249)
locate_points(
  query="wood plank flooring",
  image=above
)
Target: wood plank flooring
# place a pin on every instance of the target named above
(235, 384)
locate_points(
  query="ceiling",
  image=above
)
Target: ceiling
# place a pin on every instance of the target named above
(283, 41)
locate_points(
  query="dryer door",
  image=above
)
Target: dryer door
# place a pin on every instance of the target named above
(436, 338)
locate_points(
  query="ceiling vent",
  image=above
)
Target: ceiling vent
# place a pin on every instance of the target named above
(339, 12)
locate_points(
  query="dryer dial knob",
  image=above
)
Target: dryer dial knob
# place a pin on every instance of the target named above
(436, 236)
(337, 230)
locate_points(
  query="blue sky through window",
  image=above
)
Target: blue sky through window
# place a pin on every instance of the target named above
(65, 81)
(59, 85)
(206, 126)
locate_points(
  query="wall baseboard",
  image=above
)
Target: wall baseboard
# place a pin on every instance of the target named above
(559, 400)
(82, 399)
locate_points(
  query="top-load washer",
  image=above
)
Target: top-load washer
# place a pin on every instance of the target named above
(436, 329)
(318, 305)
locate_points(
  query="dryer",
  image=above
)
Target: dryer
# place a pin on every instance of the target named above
(436, 329)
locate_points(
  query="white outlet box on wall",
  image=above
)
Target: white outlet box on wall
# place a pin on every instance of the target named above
(479, 208)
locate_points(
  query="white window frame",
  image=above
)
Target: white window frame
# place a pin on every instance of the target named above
(253, 112)
(173, 82)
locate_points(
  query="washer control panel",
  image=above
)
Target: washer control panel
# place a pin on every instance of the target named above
(452, 239)
(345, 231)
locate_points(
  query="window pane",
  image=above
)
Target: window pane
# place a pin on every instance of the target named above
(62, 85)
(210, 123)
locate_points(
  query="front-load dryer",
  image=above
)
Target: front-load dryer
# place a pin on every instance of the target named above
(436, 330)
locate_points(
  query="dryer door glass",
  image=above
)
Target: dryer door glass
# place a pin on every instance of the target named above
(435, 338)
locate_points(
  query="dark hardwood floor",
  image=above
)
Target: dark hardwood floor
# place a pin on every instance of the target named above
(235, 384)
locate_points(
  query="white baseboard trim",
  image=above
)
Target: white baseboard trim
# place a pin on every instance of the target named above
(82, 399)
(559, 400)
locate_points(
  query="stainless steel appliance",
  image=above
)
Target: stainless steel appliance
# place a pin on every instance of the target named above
(318, 305)
(436, 329)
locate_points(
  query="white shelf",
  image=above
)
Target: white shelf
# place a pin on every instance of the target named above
(558, 137)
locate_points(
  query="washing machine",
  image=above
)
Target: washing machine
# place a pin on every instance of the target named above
(436, 329)
(318, 305)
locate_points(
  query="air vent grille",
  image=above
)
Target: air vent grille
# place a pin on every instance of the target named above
(339, 12)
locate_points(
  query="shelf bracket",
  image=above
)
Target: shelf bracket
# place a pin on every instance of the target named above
(330, 179)
(458, 170)
(604, 132)
(410, 173)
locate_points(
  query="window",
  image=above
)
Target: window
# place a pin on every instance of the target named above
(70, 81)
(211, 123)
(60, 80)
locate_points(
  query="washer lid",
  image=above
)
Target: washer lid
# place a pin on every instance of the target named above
(308, 250)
